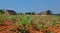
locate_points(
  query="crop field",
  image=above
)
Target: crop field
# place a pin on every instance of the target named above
(29, 24)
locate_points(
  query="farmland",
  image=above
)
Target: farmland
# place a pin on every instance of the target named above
(29, 24)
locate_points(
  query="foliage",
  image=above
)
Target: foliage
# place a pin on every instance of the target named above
(39, 23)
(1, 11)
(1, 19)
(30, 13)
(49, 12)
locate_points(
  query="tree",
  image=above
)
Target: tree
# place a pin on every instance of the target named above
(33, 13)
(20, 13)
(1, 11)
(49, 12)
(30, 13)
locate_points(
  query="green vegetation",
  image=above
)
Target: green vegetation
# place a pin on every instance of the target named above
(25, 19)
(1, 11)
(36, 20)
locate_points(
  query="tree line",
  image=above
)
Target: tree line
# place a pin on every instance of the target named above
(49, 12)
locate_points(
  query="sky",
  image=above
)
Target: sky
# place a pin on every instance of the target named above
(22, 6)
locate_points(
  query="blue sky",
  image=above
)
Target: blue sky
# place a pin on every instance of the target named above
(31, 5)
